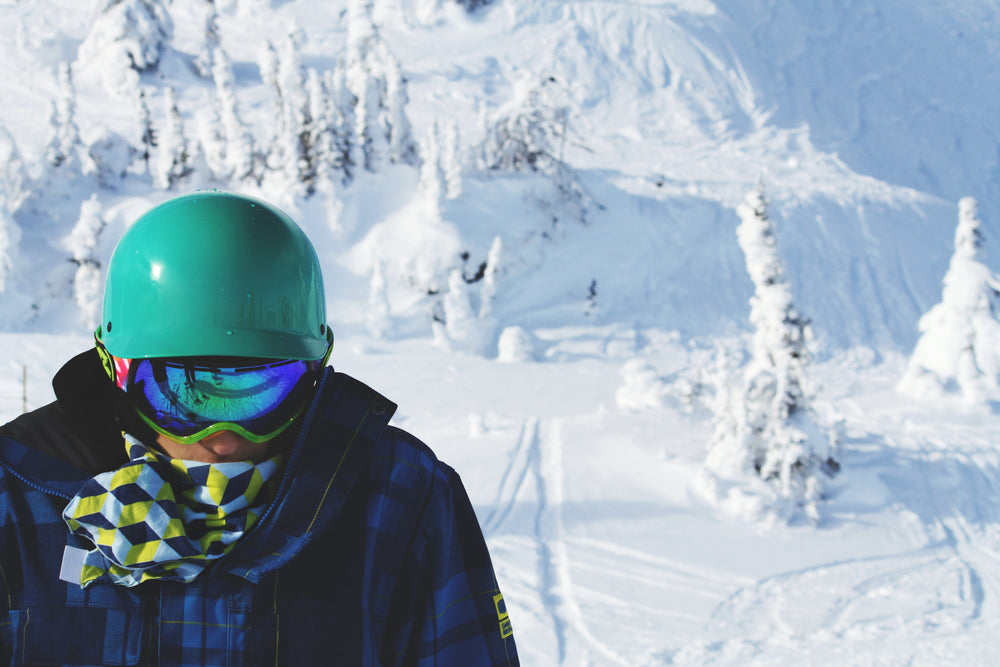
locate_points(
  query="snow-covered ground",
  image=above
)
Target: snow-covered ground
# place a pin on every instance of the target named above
(866, 121)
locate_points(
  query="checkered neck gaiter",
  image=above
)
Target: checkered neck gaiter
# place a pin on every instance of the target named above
(162, 518)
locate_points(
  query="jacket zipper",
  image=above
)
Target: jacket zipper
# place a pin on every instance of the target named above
(34, 485)
(285, 476)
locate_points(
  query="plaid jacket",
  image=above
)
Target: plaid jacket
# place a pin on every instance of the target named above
(369, 555)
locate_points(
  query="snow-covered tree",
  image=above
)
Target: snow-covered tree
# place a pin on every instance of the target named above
(83, 241)
(768, 427)
(297, 123)
(269, 66)
(460, 321)
(530, 135)
(432, 176)
(126, 37)
(64, 146)
(362, 36)
(14, 179)
(373, 75)
(109, 158)
(212, 138)
(959, 347)
(175, 161)
(147, 133)
(240, 153)
(488, 293)
(210, 41)
(370, 136)
(323, 130)
(451, 160)
(10, 236)
(377, 316)
(458, 326)
(402, 146)
(362, 79)
(346, 157)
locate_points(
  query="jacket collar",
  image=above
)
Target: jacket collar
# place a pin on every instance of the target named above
(339, 430)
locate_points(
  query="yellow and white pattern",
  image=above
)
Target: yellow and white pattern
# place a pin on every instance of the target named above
(163, 518)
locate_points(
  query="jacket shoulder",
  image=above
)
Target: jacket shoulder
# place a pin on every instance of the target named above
(409, 456)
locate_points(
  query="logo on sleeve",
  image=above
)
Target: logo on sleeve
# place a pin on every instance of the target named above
(505, 628)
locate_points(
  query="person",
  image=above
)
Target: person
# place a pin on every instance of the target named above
(204, 491)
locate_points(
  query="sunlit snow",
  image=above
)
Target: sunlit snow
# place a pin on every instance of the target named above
(562, 336)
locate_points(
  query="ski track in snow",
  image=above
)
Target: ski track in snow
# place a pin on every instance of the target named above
(538, 457)
(937, 596)
(513, 478)
(554, 562)
(969, 525)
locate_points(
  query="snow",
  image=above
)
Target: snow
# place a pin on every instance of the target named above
(574, 387)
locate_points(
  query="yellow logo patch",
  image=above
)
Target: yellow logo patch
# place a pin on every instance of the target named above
(506, 630)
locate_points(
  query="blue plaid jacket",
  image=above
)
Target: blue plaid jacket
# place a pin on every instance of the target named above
(369, 555)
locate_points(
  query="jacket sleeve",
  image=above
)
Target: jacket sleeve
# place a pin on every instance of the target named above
(461, 617)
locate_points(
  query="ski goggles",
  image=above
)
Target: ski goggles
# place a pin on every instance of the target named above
(190, 398)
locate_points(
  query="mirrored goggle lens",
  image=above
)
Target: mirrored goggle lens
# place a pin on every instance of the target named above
(185, 397)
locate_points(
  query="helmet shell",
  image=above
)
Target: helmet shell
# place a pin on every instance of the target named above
(214, 274)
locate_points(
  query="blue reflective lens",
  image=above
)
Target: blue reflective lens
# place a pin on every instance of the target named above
(186, 396)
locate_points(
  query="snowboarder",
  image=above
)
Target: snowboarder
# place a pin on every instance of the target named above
(203, 491)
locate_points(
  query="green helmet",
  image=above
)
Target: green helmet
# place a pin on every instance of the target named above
(214, 274)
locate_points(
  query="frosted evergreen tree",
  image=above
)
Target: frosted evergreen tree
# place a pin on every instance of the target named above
(323, 134)
(126, 37)
(485, 157)
(10, 237)
(366, 68)
(269, 71)
(83, 241)
(147, 133)
(370, 136)
(64, 146)
(488, 293)
(269, 68)
(361, 32)
(451, 160)
(347, 156)
(460, 322)
(15, 184)
(110, 157)
(212, 139)
(297, 125)
(768, 427)
(241, 161)
(530, 135)
(377, 315)
(402, 146)
(210, 41)
(432, 177)
(959, 347)
(359, 79)
(488, 324)
(175, 160)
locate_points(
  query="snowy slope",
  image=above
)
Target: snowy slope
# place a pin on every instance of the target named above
(867, 121)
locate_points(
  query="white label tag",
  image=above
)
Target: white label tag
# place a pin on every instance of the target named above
(72, 564)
